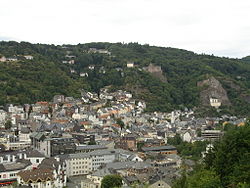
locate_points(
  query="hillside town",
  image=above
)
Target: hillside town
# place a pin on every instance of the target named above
(72, 142)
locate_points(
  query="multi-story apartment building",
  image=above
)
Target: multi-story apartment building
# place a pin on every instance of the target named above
(211, 134)
(78, 164)
(85, 163)
(128, 142)
(100, 157)
(160, 149)
(53, 146)
(84, 138)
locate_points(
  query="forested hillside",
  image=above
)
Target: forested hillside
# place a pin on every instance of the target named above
(225, 165)
(50, 72)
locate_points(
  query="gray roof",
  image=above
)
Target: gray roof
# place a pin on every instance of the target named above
(105, 142)
(129, 164)
(158, 148)
(25, 130)
(49, 163)
(90, 147)
(94, 153)
(103, 152)
(37, 135)
(102, 172)
(5, 153)
(34, 153)
(18, 165)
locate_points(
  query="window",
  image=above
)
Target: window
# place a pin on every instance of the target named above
(37, 161)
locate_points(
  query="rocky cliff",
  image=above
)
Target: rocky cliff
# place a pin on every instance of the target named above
(212, 89)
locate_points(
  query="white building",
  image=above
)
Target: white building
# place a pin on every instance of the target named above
(16, 145)
(130, 64)
(215, 102)
(187, 137)
(3, 59)
(84, 74)
(24, 135)
(28, 57)
(78, 164)
(96, 177)
(100, 157)
(91, 67)
(85, 163)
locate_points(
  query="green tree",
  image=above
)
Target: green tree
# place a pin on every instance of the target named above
(8, 124)
(120, 122)
(30, 110)
(92, 142)
(176, 140)
(181, 182)
(209, 157)
(230, 157)
(111, 181)
(204, 179)
(140, 145)
(198, 132)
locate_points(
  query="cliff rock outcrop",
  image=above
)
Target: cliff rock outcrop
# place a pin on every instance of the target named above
(213, 89)
(156, 71)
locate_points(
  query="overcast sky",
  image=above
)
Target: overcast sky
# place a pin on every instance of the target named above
(219, 27)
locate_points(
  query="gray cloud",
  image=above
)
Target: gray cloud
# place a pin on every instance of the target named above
(210, 26)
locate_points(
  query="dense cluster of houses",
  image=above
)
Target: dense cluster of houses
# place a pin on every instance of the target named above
(76, 142)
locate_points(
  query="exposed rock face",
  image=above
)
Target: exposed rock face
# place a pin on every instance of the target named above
(213, 89)
(156, 71)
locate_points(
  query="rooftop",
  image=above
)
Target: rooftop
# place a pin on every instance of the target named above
(157, 148)
(90, 147)
(36, 174)
(19, 165)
